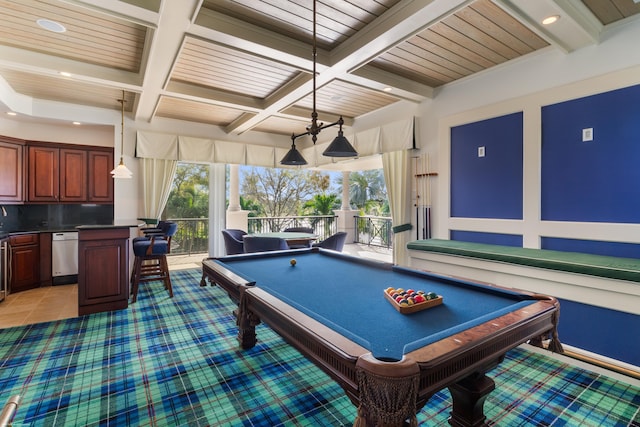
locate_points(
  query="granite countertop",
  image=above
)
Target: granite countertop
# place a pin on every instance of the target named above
(115, 224)
(43, 229)
(72, 228)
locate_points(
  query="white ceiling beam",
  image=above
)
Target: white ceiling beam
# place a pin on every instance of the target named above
(175, 20)
(569, 33)
(46, 65)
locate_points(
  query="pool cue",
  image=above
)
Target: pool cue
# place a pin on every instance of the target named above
(428, 199)
(415, 174)
(423, 176)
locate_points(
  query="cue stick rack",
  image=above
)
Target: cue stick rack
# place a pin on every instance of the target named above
(422, 203)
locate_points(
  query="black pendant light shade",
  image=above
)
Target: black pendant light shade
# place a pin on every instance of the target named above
(340, 147)
(293, 157)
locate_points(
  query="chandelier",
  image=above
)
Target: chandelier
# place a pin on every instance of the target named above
(340, 147)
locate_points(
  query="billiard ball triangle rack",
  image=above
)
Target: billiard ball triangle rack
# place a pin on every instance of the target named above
(407, 308)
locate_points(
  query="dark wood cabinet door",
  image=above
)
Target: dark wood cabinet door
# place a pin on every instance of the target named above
(100, 180)
(73, 175)
(44, 180)
(11, 166)
(45, 259)
(103, 270)
(25, 262)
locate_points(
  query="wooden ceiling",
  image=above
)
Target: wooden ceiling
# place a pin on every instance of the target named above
(247, 64)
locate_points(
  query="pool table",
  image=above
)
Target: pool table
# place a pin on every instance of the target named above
(331, 307)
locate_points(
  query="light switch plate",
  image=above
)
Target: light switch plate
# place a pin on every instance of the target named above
(480, 151)
(587, 134)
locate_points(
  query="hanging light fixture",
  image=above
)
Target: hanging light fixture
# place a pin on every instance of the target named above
(121, 171)
(340, 147)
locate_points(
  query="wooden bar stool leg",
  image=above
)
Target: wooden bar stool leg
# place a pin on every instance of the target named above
(167, 277)
(137, 267)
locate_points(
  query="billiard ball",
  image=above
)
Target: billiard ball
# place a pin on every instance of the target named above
(293, 262)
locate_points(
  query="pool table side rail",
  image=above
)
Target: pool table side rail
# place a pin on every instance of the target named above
(482, 347)
(227, 279)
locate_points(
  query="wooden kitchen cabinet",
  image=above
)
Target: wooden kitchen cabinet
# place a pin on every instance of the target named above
(70, 175)
(44, 175)
(45, 259)
(25, 262)
(73, 175)
(11, 170)
(103, 269)
(100, 181)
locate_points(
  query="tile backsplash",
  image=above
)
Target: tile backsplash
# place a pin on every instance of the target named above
(55, 216)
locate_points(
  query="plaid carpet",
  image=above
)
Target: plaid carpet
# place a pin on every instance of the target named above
(176, 362)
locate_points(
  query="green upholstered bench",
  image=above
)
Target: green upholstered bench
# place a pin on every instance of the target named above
(573, 262)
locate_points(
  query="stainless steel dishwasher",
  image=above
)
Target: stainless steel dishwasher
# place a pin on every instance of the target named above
(64, 258)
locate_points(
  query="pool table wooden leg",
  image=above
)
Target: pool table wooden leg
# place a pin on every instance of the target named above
(387, 392)
(247, 322)
(468, 397)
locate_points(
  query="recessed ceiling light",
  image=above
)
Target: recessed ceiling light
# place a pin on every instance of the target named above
(77, 123)
(50, 25)
(12, 113)
(387, 89)
(550, 19)
(65, 74)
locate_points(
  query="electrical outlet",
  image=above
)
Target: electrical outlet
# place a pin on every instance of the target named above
(587, 134)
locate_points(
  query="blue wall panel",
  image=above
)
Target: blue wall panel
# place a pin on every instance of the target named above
(597, 181)
(488, 238)
(607, 332)
(489, 186)
(617, 249)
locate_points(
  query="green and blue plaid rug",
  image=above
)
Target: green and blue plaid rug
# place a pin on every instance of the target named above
(176, 362)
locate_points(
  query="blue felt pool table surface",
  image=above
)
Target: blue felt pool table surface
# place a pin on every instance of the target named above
(347, 295)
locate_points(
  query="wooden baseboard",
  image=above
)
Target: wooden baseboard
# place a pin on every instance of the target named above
(603, 364)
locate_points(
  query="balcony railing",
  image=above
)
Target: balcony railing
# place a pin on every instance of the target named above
(192, 236)
(322, 225)
(374, 231)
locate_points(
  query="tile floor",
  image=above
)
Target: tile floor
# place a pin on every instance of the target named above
(39, 305)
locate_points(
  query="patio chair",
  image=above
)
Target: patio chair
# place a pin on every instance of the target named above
(233, 241)
(264, 244)
(334, 242)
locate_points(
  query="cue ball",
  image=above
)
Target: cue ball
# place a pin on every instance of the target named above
(293, 262)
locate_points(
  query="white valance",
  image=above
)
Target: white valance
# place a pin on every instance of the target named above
(157, 146)
(386, 138)
(368, 142)
(230, 152)
(196, 149)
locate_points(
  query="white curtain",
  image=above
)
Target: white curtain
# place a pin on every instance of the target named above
(157, 177)
(397, 177)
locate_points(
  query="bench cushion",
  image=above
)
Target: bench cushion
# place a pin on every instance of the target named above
(574, 262)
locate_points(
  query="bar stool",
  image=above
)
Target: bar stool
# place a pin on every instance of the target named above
(151, 259)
